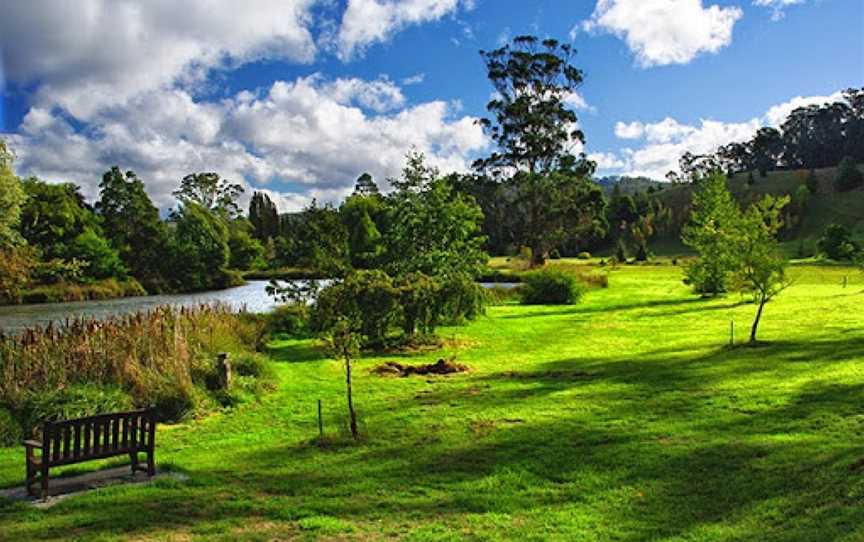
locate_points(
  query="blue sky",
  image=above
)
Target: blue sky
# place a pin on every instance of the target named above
(298, 97)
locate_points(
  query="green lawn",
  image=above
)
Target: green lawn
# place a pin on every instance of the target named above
(623, 418)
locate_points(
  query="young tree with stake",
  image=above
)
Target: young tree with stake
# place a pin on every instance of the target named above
(344, 343)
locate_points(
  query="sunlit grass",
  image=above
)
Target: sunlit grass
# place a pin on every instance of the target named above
(626, 417)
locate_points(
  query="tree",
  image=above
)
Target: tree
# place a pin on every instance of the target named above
(361, 214)
(131, 222)
(536, 134)
(11, 197)
(365, 186)
(246, 251)
(765, 150)
(713, 224)
(344, 344)
(211, 192)
(264, 216)
(837, 243)
(100, 259)
(848, 176)
(200, 248)
(431, 228)
(761, 269)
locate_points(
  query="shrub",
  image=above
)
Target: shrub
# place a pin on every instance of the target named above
(549, 287)
(837, 243)
(597, 280)
(419, 297)
(291, 318)
(848, 176)
(10, 429)
(367, 299)
(460, 299)
(584, 255)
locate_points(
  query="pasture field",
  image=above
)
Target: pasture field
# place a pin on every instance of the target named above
(626, 417)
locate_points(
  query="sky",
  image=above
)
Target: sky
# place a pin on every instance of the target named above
(298, 97)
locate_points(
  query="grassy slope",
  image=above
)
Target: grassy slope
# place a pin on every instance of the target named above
(623, 418)
(824, 208)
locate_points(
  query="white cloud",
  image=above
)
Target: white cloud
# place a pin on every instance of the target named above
(374, 21)
(606, 160)
(415, 79)
(777, 114)
(666, 140)
(577, 101)
(662, 32)
(312, 132)
(777, 6)
(86, 54)
(629, 130)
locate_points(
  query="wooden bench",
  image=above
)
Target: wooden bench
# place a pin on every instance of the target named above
(94, 437)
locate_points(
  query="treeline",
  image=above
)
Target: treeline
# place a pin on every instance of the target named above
(811, 137)
(54, 246)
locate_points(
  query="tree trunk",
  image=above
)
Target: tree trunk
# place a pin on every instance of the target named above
(538, 258)
(762, 301)
(352, 416)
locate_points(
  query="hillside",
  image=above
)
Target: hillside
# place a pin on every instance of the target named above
(824, 208)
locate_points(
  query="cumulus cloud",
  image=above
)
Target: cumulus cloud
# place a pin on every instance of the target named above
(578, 102)
(662, 32)
(374, 21)
(85, 54)
(666, 140)
(315, 133)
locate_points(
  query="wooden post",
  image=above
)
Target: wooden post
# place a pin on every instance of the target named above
(320, 421)
(223, 366)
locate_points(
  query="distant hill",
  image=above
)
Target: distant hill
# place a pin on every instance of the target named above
(826, 207)
(629, 185)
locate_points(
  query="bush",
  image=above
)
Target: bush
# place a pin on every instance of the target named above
(292, 318)
(419, 297)
(500, 295)
(584, 255)
(460, 299)
(551, 288)
(848, 176)
(10, 429)
(837, 243)
(597, 280)
(367, 299)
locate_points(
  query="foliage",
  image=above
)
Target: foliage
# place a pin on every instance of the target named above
(550, 287)
(211, 192)
(761, 269)
(246, 252)
(200, 250)
(11, 197)
(812, 182)
(264, 216)
(74, 401)
(419, 296)
(431, 228)
(99, 259)
(16, 266)
(367, 300)
(365, 186)
(10, 429)
(344, 343)
(361, 215)
(837, 243)
(290, 318)
(460, 299)
(61, 291)
(848, 176)
(711, 232)
(131, 222)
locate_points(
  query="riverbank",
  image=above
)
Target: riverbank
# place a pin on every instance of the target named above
(68, 292)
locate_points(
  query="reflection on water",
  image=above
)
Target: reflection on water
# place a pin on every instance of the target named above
(252, 296)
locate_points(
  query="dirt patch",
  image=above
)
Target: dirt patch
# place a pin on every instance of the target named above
(440, 367)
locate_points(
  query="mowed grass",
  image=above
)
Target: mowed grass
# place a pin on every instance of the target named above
(624, 418)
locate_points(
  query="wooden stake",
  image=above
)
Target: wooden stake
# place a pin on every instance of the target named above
(320, 421)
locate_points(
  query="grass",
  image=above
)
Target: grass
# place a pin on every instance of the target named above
(626, 418)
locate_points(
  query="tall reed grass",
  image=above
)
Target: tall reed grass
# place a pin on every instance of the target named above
(164, 357)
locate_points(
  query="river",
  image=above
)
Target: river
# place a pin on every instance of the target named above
(252, 296)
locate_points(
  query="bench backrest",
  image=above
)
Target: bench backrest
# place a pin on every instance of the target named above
(94, 437)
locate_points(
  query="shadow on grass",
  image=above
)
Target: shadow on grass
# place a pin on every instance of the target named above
(297, 351)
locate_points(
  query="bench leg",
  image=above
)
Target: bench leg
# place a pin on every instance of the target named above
(151, 463)
(133, 457)
(31, 477)
(44, 481)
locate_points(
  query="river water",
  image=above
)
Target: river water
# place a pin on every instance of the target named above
(252, 296)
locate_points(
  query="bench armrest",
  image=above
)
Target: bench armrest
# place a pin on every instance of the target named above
(32, 444)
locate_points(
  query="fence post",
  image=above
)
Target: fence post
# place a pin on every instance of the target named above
(223, 367)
